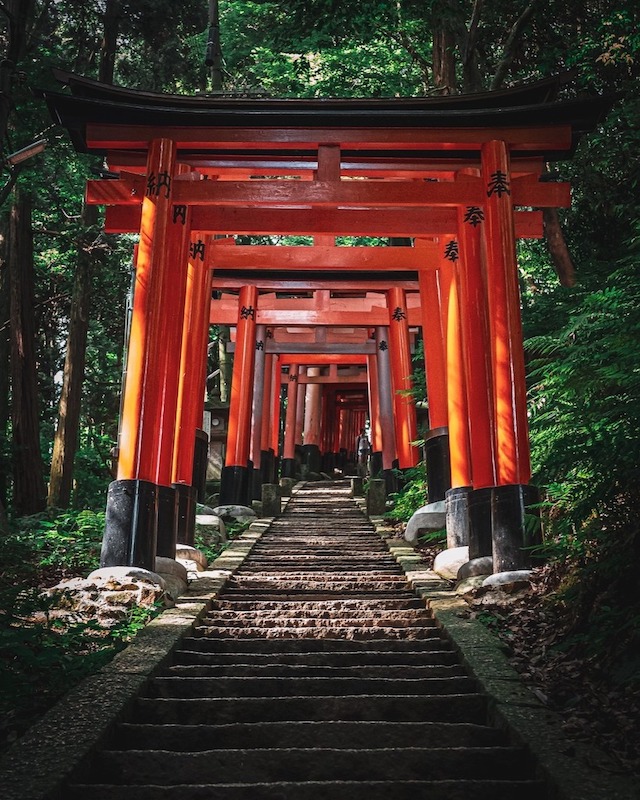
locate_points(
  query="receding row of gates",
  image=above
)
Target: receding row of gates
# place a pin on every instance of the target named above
(449, 183)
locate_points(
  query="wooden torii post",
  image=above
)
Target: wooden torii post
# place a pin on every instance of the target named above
(414, 168)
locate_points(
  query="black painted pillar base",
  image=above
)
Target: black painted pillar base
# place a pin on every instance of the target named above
(480, 523)
(375, 464)
(436, 456)
(266, 466)
(186, 523)
(167, 521)
(288, 468)
(234, 486)
(311, 457)
(328, 463)
(131, 525)
(390, 480)
(515, 526)
(456, 504)
(200, 463)
(256, 483)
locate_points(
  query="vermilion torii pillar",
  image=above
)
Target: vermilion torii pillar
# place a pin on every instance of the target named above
(234, 480)
(288, 467)
(385, 402)
(312, 421)
(146, 432)
(511, 497)
(433, 336)
(193, 374)
(400, 359)
(257, 408)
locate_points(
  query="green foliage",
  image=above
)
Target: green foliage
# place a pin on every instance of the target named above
(412, 496)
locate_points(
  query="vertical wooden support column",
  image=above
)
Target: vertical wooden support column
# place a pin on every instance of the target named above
(193, 373)
(312, 417)
(131, 514)
(456, 498)
(405, 412)
(234, 480)
(385, 400)
(477, 354)
(289, 452)
(266, 456)
(302, 372)
(257, 407)
(433, 337)
(512, 496)
(276, 410)
(375, 465)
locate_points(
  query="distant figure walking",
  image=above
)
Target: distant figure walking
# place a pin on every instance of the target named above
(363, 449)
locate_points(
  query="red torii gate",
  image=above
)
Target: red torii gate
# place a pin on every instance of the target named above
(448, 173)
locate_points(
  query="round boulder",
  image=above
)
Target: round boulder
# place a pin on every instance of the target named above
(235, 512)
(477, 566)
(448, 562)
(509, 581)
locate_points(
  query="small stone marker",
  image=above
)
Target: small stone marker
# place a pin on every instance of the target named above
(271, 500)
(357, 489)
(286, 485)
(376, 497)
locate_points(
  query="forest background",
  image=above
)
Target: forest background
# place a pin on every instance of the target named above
(64, 283)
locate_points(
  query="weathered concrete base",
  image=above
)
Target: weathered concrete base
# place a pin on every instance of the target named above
(271, 500)
(357, 487)
(426, 519)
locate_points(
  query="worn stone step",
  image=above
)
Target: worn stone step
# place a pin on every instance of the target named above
(322, 790)
(232, 594)
(313, 764)
(369, 605)
(275, 646)
(346, 620)
(317, 632)
(305, 583)
(281, 686)
(278, 670)
(260, 615)
(186, 738)
(387, 708)
(358, 659)
(324, 567)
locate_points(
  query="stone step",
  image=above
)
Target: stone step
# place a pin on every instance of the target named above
(258, 615)
(313, 764)
(263, 645)
(278, 670)
(386, 708)
(322, 790)
(235, 594)
(189, 687)
(186, 738)
(372, 604)
(345, 620)
(358, 659)
(308, 582)
(317, 632)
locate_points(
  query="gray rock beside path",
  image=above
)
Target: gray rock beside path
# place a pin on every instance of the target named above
(475, 567)
(516, 579)
(448, 562)
(428, 518)
(235, 513)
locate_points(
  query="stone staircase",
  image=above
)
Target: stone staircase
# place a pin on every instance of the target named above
(317, 674)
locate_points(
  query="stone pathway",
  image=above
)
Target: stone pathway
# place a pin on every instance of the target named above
(318, 674)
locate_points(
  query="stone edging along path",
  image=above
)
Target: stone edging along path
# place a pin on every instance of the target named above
(47, 755)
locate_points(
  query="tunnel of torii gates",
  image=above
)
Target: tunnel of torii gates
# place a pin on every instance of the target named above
(450, 182)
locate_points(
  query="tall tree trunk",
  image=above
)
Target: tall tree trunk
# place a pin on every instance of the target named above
(29, 493)
(4, 360)
(444, 62)
(17, 13)
(65, 442)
